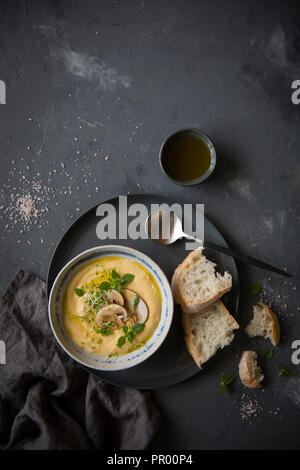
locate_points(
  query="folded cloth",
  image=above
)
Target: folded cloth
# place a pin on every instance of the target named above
(47, 401)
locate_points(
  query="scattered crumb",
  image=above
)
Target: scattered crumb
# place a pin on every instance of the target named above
(277, 296)
(274, 412)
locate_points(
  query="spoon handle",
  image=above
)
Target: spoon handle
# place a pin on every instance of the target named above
(240, 256)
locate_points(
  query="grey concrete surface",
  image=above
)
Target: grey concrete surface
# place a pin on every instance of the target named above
(93, 88)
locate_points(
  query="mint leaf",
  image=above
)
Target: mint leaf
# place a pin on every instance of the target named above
(138, 328)
(225, 381)
(255, 288)
(130, 336)
(121, 341)
(105, 331)
(79, 292)
(269, 354)
(127, 278)
(115, 275)
(284, 371)
(125, 329)
(105, 286)
(135, 300)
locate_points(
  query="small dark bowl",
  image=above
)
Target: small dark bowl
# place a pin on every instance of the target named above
(200, 135)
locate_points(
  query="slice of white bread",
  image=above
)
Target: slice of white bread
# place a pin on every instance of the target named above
(207, 331)
(264, 323)
(195, 284)
(250, 373)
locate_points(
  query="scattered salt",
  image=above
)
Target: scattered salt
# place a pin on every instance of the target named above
(250, 408)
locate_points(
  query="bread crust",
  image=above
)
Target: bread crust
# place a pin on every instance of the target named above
(275, 324)
(188, 338)
(245, 371)
(179, 298)
(174, 286)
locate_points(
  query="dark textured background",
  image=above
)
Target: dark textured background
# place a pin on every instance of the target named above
(115, 78)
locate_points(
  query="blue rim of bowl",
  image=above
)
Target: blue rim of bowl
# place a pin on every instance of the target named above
(97, 252)
(205, 138)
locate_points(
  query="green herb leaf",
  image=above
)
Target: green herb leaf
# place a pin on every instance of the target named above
(105, 286)
(225, 381)
(121, 341)
(127, 278)
(135, 300)
(99, 340)
(130, 336)
(138, 328)
(269, 354)
(115, 275)
(129, 333)
(79, 292)
(255, 288)
(105, 331)
(284, 371)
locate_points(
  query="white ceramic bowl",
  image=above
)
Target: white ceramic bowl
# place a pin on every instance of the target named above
(102, 362)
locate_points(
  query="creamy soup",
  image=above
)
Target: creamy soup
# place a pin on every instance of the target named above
(112, 306)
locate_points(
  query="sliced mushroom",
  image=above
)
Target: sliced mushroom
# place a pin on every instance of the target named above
(140, 311)
(111, 313)
(115, 297)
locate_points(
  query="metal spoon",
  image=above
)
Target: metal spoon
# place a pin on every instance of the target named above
(156, 231)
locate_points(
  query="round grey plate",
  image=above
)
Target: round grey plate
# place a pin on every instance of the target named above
(171, 363)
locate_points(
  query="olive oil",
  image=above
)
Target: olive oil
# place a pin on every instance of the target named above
(186, 158)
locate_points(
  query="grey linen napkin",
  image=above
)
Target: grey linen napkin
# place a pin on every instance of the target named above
(47, 401)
